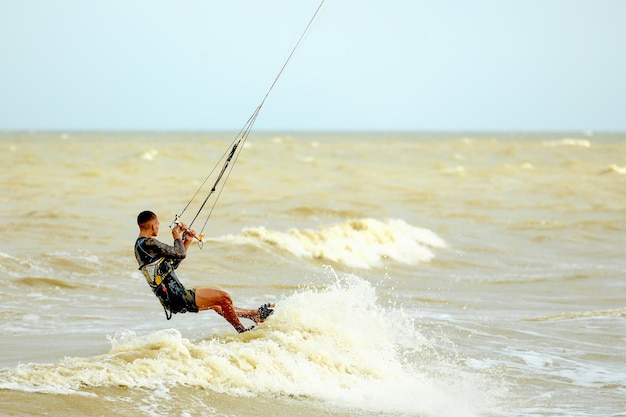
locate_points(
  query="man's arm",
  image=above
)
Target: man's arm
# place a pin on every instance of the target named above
(160, 249)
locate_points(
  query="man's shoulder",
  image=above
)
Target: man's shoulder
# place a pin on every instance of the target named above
(149, 241)
(146, 242)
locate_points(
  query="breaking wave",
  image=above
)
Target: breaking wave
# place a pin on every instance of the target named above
(336, 344)
(361, 243)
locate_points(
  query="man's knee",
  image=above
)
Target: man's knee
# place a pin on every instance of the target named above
(225, 298)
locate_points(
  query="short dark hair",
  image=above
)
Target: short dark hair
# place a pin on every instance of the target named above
(145, 216)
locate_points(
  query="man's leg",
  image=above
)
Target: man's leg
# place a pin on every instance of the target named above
(248, 314)
(222, 304)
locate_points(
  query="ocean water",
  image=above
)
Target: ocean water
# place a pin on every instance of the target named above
(415, 274)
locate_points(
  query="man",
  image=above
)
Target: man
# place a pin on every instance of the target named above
(158, 261)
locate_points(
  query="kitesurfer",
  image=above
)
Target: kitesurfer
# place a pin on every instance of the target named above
(158, 262)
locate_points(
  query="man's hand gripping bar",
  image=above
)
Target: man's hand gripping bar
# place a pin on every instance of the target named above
(177, 222)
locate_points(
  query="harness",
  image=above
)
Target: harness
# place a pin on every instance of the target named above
(156, 272)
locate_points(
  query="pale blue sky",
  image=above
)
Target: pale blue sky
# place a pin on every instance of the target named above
(450, 65)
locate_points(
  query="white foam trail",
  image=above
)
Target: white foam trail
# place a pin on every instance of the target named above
(336, 345)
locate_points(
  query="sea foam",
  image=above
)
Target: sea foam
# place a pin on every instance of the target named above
(359, 243)
(337, 345)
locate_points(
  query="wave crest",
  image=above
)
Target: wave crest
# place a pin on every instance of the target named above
(574, 315)
(582, 143)
(358, 243)
(614, 169)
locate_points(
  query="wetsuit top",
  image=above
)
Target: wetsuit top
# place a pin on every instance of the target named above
(149, 250)
(158, 261)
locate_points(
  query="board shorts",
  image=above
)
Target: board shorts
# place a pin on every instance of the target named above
(177, 298)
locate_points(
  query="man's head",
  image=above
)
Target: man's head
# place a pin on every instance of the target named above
(147, 220)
